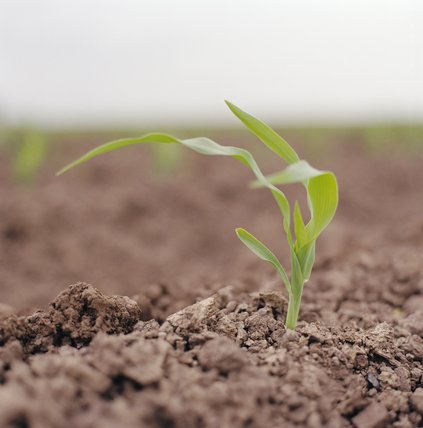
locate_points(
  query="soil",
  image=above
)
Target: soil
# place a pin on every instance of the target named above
(200, 342)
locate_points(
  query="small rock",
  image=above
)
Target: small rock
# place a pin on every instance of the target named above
(231, 306)
(191, 318)
(373, 380)
(373, 416)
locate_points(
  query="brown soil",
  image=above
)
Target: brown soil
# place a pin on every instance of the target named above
(170, 356)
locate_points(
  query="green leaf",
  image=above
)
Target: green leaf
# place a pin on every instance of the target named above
(115, 145)
(322, 195)
(297, 280)
(323, 200)
(306, 256)
(285, 209)
(261, 251)
(265, 134)
(201, 145)
(298, 172)
(299, 228)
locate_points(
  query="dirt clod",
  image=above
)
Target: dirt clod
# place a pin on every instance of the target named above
(223, 355)
(417, 400)
(73, 318)
(373, 416)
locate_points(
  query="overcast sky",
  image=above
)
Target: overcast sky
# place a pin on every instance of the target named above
(139, 62)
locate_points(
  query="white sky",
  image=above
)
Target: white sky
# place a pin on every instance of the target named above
(139, 62)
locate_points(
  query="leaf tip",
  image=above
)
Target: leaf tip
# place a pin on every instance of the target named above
(64, 169)
(60, 172)
(232, 107)
(240, 231)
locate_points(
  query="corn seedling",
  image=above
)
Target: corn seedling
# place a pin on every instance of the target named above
(321, 188)
(166, 159)
(30, 155)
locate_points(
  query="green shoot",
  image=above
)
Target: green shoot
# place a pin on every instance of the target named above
(30, 155)
(166, 159)
(321, 188)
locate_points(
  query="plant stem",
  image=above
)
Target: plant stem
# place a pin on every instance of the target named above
(293, 311)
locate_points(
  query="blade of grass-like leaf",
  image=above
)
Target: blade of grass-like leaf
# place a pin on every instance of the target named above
(323, 200)
(294, 301)
(306, 256)
(296, 275)
(299, 228)
(261, 251)
(322, 194)
(265, 134)
(115, 145)
(200, 145)
(285, 209)
(297, 172)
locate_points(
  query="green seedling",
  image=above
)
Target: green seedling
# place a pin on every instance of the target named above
(321, 188)
(166, 159)
(30, 155)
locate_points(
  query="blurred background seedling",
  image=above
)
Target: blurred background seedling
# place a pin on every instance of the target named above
(29, 155)
(26, 150)
(382, 138)
(166, 160)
